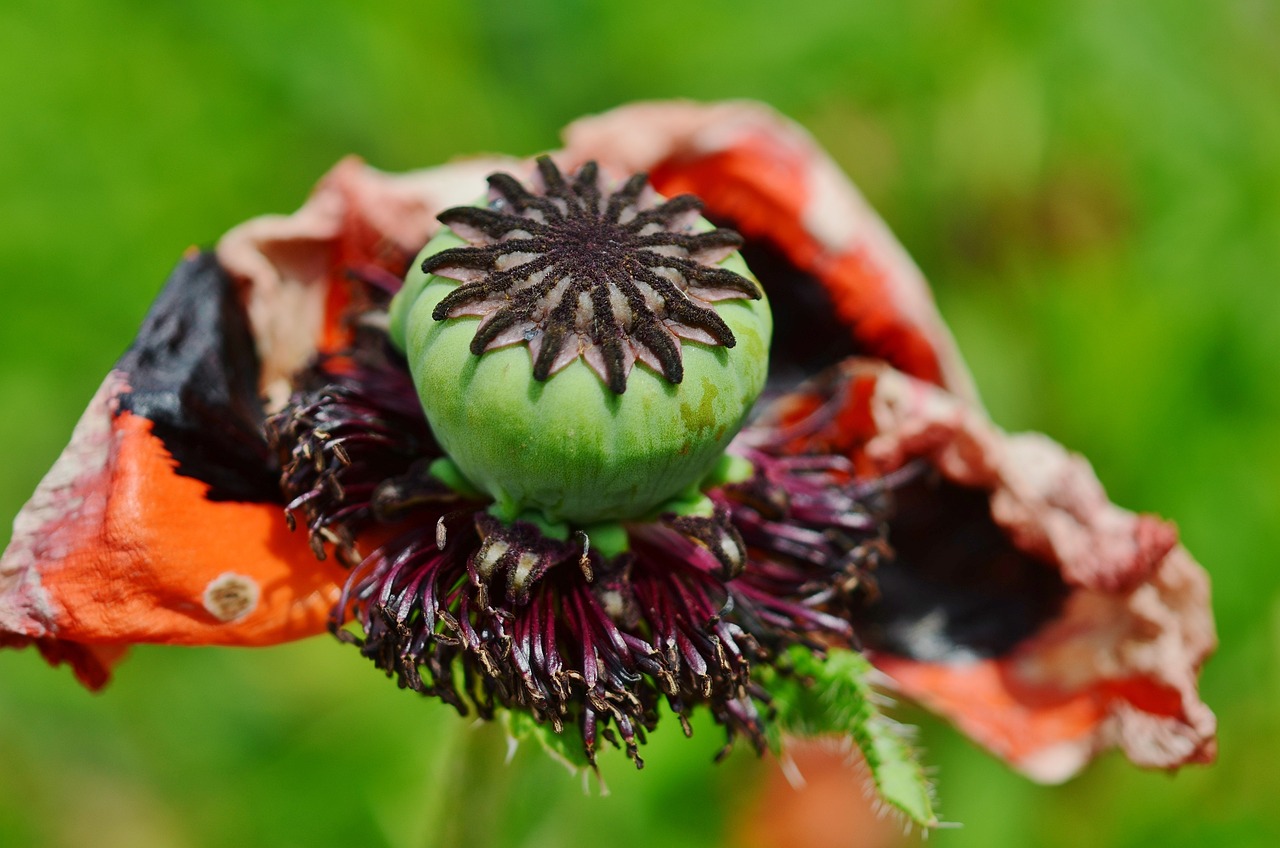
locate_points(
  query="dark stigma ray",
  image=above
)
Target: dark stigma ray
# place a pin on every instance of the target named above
(585, 273)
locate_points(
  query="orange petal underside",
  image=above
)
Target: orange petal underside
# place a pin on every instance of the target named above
(134, 552)
(169, 565)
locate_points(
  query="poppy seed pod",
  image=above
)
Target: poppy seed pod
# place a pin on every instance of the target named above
(592, 282)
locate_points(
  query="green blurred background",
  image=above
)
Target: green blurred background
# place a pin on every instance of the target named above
(1093, 187)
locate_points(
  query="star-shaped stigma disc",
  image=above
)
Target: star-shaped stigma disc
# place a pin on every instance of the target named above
(572, 271)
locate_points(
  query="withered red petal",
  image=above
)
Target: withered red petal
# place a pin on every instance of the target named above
(159, 522)
(1104, 619)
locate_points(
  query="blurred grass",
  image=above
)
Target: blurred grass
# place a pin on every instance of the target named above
(1091, 186)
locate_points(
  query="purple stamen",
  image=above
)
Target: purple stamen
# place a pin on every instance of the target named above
(482, 614)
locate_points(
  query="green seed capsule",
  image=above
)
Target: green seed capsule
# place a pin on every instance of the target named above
(582, 356)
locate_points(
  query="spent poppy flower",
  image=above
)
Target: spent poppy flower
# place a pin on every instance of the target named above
(663, 421)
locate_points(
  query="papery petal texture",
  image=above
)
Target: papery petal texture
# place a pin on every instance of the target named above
(357, 221)
(162, 521)
(153, 526)
(1116, 662)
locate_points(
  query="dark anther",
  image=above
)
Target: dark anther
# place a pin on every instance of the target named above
(517, 551)
(571, 270)
(344, 442)
(718, 536)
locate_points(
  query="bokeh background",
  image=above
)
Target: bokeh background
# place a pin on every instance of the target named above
(1092, 187)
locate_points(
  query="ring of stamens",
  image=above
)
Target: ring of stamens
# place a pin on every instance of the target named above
(484, 614)
(575, 271)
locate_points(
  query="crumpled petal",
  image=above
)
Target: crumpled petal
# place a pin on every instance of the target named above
(157, 523)
(358, 220)
(1118, 665)
(161, 521)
